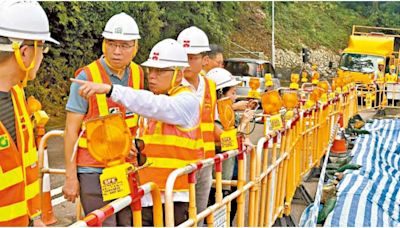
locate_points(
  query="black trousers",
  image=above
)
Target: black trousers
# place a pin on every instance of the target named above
(181, 210)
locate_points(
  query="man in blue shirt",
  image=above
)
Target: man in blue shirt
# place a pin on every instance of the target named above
(120, 45)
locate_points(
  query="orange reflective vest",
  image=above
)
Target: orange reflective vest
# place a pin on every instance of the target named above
(99, 105)
(19, 171)
(169, 147)
(208, 117)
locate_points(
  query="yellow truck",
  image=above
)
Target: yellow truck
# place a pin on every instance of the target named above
(367, 46)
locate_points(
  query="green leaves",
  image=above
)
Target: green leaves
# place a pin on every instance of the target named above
(78, 26)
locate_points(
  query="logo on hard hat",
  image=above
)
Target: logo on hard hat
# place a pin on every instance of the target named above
(186, 43)
(155, 56)
(118, 30)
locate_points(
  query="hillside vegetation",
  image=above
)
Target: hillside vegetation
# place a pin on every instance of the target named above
(78, 26)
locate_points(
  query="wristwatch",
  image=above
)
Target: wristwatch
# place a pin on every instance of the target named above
(110, 91)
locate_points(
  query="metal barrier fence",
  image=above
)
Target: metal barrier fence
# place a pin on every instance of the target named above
(282, 159)
(378, 96)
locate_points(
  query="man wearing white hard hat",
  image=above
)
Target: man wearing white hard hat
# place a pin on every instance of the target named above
(172, 132)
(120, 45)
(195, 42)
(21, 52)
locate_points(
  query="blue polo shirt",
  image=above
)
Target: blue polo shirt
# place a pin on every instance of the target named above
(78, 104)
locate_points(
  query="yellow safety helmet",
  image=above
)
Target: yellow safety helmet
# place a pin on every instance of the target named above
(381, 62)
(392, 67)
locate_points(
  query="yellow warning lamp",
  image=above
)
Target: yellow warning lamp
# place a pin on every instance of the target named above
(324, 89)
(304, 76)
(332, 94)
(313, 98)
(290, 101)
(346, 84)
(294, 78)
(268, 80)
(315, 78)
(339, 84)
(315, 94)
(271, 102)
(254, 84)
(34, 108)
(109, 139)
(226, 113)
(227, 117)
(324, 85)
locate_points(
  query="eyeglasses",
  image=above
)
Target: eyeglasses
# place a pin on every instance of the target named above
(123, 47)
(159, 71)
(44, 47)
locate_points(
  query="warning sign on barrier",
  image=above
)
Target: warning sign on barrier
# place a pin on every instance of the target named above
(220, 217)
(276, 122)
(114, 182)
(228, 140)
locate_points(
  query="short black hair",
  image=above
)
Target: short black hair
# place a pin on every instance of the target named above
(222, 92)
(215, 50)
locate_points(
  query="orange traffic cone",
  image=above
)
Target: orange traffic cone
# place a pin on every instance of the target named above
(339, 146)
(48, 217)
(340, 121)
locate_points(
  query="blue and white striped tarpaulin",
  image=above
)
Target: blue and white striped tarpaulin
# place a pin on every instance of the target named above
(370, 196)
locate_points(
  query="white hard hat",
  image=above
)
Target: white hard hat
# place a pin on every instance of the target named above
(167, 53)
(194, 40)
(24, 20)
(121, 27)
(222, 78)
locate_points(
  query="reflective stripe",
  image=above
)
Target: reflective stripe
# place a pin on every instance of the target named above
(132, 121)
(32, 190)
(136, 78)
(13, 211)
(30, 158)
(21, 102)
(171, 140)
(207, 126)
(135, 72)
(82, 143)
(209, 146)
(168, 163)
(101, 98)
(35, 214)
(102, 103)
(11, 177)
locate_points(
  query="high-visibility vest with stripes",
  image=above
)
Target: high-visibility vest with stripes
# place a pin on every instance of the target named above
(169, 147)
(99, 105)
(19, 171)
(208, 117)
